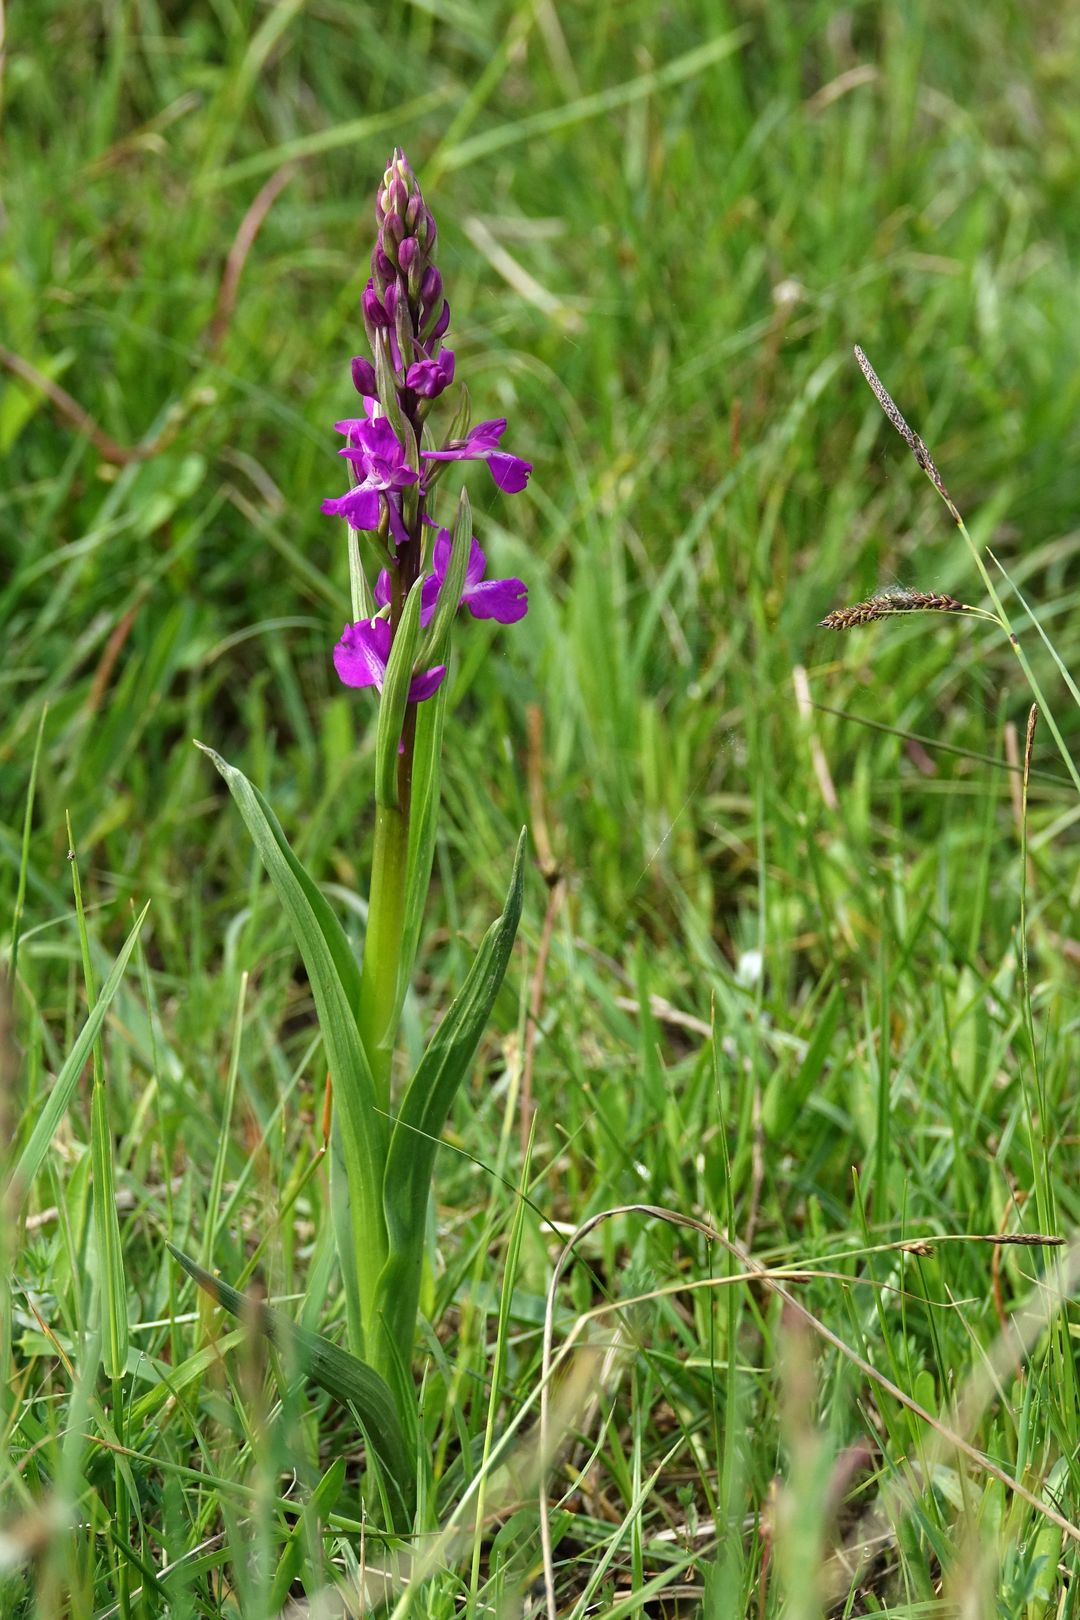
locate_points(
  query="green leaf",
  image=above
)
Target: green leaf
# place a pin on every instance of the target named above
(423, 824)
(784, 1096)
(344, 1376)
(335, 985)
(255, 810)
(437, 641)
(395, 695)
(56, 1105)
(110, 1259)
(317, 1510)
(386, 383)
(423, 1113)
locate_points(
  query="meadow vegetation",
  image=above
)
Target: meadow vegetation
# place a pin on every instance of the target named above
(797, 959)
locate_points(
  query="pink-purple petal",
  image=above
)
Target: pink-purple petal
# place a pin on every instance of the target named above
(504, 599)
(510, 473)
(429, 596)
(360, 656)
(477, 563)
(484, 436)
(359, 507)
(424, 685)
(441, 554)
(397, 522)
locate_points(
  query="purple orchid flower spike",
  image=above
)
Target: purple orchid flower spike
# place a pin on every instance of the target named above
(361, 655)
(406, 315)
(378, 458)
(510, 473)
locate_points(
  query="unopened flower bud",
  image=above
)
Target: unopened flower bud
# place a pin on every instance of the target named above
(372, 306)
(363, 376)
(381, 268)
(442, 323)
(403, 325)
(390, 237)
(408, 254)
(402, 168)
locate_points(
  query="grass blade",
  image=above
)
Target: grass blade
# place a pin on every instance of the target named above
(344, 1376)
(56, 1105)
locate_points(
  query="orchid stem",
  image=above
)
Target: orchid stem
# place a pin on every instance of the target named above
(381, 970)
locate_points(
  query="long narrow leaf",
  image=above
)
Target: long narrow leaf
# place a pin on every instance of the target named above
(344, 1376)
(336, 942)
(424, 1109)
(423, 821)
(335, 985)
(110, 1257)
(56, 1104)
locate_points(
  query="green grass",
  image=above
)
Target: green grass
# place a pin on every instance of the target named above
(662, 230)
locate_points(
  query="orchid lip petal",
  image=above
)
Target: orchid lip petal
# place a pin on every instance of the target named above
(360, 656)
(506, 600)
(510, 473)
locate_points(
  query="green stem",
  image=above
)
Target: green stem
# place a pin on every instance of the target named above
(381, 971)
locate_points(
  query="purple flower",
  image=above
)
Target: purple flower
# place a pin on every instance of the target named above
(429, 595)
(429, 378)
(361, 655)
(504, 599)
(378, 457)
(509, 472)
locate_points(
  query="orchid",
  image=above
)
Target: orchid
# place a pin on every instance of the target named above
(396, 646)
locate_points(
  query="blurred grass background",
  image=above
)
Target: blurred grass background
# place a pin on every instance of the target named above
(661, 229)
